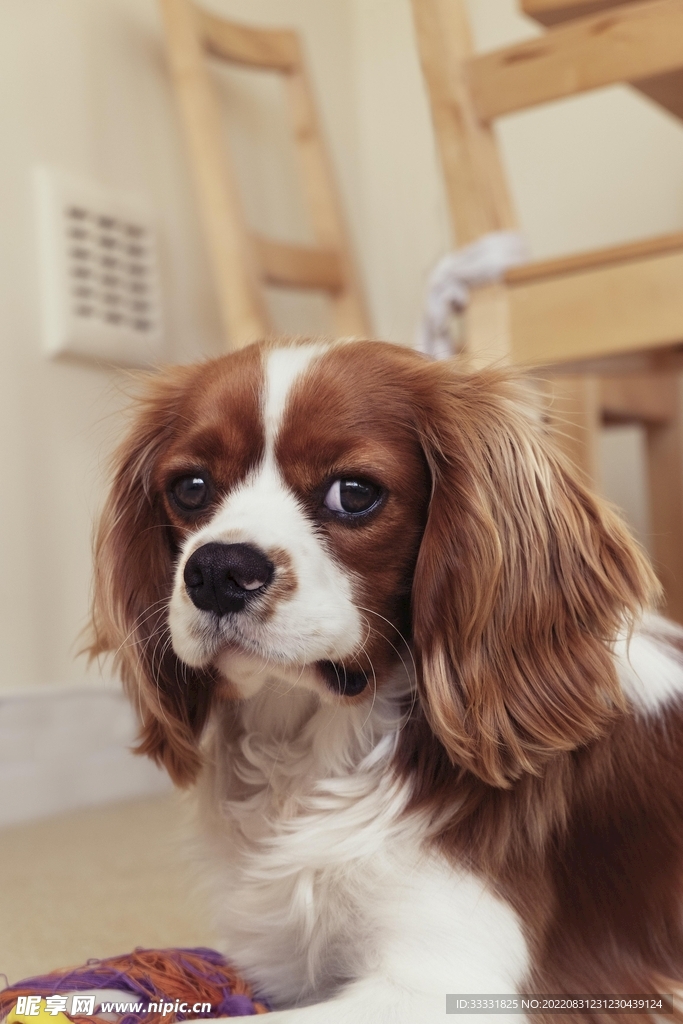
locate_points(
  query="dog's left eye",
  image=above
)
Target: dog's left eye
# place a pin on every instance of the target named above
(352, 497)
(190, 492)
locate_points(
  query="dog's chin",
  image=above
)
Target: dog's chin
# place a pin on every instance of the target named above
(247, 674)
(203, 642)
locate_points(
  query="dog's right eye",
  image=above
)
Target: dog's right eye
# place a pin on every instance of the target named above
(190, 493)
(352, 497)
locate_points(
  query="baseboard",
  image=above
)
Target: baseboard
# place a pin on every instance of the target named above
(62, 748)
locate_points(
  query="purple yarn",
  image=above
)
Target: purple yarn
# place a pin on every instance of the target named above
(236, 1006)
(101, 976)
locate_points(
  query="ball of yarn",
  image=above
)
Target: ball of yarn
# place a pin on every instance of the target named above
(154, 978)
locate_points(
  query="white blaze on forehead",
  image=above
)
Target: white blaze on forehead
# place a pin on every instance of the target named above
(283, 368)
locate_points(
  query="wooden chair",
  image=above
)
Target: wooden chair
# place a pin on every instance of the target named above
(242, 261)
(610, 321)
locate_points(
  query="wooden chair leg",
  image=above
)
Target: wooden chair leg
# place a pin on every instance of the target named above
(665, 475)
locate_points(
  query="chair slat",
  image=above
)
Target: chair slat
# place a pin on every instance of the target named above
(666, 89)
(550, 12)
(596, 258)
(272, 49)
(299, 266)
(628, 43)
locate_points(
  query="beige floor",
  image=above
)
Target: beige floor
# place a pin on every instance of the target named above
(93, 884)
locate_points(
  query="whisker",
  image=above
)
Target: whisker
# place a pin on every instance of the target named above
(156, 669)
(144, 615)
(413, 690)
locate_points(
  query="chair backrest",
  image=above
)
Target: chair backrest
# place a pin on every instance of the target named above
(242, 261)
(625, 43)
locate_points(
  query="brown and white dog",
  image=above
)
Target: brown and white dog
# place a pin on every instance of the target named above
(438, 735)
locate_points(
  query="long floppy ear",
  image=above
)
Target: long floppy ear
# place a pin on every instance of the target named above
(522, 581)
(133, 582)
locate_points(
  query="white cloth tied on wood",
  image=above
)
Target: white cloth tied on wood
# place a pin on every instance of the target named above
(448, 288)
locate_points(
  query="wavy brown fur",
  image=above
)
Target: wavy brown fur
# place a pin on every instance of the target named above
(523, 578)
(133, 577)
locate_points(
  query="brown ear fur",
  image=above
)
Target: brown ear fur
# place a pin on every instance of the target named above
(133, 581)
(522, 580)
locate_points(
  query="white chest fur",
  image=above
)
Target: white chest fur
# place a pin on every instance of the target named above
(320, 879)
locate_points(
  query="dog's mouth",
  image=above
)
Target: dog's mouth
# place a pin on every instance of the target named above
(342, 680)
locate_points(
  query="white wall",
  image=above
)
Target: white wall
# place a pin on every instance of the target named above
(68, 747)
(83, 86)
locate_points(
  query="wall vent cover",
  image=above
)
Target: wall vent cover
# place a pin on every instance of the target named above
(101, 284)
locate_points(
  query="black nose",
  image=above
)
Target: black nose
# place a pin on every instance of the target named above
(221, 577)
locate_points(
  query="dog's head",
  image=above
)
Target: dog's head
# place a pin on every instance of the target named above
(300, 512)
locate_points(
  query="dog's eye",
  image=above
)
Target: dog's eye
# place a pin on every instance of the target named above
(352, 497)
(191, 492)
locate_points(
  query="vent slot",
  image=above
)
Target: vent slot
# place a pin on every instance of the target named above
(101, 278)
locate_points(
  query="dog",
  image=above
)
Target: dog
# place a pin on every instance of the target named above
(411, 662)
